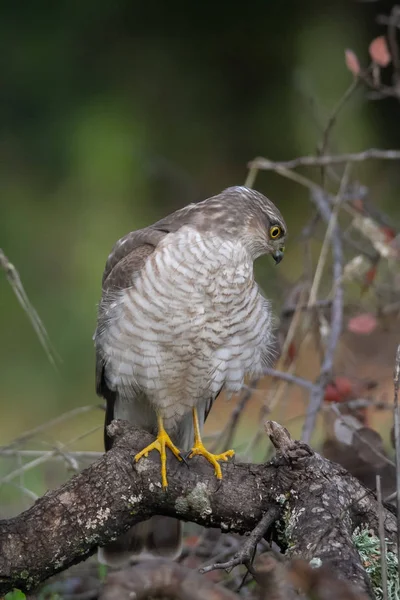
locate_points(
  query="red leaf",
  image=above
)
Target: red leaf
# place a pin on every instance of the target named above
(344, 386)
(370, 275)
(292, 351)
(352, 62)
(331, 393)
(338, 390)
(390, 233)
(379, 52)
(362, 324)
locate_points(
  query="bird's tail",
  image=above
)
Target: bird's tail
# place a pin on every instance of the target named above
(158, 536)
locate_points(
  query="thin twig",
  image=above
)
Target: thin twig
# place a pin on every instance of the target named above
(396, 381)
(382, 539)
(42, 459)
(258, 435)
(264, 164)
(323, 203)
(293, 327)
(31, 495)
(56, 421)
(333, 117)
(11, 453)
(335, 409)
(289, 378)
(327, 240)
(317, 394)
(290, 310)
(277, 393)
(335, 112)
(251, 177)
(18, 289)
(229, 430)
(246, 553)
(394, 20)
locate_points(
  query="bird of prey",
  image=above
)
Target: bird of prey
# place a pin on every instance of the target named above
(180, 319)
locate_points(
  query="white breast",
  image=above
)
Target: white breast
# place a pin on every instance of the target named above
(192, 322)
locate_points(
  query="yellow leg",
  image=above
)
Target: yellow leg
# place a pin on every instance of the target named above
(162, 442)
(198, 448)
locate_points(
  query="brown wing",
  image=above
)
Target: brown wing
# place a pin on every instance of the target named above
(128, 247)
(126, 259)
(128, 256)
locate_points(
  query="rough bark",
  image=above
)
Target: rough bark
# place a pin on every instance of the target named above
(320, 503)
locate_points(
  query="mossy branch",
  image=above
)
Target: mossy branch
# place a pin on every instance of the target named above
(320, 506)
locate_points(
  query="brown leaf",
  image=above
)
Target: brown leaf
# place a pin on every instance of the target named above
(362, 324)
(379, 51)
(352, 62)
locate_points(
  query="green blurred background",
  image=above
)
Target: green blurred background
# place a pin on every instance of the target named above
(114, 113)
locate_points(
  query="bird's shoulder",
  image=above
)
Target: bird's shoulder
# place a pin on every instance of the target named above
(128, 256)
(130, 253)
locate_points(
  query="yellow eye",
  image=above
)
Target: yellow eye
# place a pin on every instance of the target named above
(275, 232)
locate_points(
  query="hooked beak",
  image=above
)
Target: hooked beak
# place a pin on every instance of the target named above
(278, 255)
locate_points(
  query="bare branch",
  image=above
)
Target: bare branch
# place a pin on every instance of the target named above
(226, 436)
(79, 454)
(264, 164)
(289, 378)
(317, 394)
(60, 451)
(70, 414)
(16, 284)
(245, 555)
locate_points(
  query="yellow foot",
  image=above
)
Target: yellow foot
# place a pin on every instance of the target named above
(162, 442)
(199, 449)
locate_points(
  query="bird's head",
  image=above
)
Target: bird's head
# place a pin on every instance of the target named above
(263, 229)
(275, 239)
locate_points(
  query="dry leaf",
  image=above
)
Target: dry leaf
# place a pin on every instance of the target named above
(389, 232)
(376, 234)
(379, 52)
(370, 275)
(338, 390)
(362, 324)
(352, 62)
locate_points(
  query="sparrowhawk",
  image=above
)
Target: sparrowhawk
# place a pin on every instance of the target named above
(180, 319)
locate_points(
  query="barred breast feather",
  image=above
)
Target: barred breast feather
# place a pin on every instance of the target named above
(191, 322)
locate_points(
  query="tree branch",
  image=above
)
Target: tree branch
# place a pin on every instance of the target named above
(320, 199)
(246, 553)
(320, 504)
(265, 164)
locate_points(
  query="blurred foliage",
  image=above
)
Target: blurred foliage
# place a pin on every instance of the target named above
(15, 595)
(115, 113)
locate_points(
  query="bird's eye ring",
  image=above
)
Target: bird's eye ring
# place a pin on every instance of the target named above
(275, 232)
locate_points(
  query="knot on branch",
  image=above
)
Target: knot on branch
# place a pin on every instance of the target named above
(293, 451)
(118, 428)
